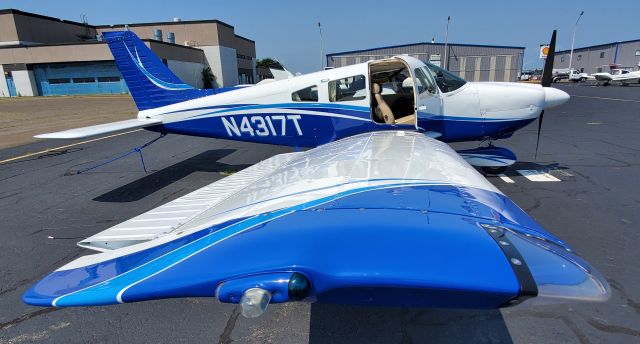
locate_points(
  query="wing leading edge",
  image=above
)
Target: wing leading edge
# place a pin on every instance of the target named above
(386, 218)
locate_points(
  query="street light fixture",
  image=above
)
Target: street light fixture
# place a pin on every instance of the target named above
(573, 40)
(321, 48)
(446, 45)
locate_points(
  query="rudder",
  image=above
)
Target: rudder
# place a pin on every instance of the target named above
(151, 83)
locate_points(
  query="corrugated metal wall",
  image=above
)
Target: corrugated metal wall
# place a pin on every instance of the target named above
(596, 59)
(475, 63)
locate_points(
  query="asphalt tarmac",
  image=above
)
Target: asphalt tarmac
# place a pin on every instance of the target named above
(590, 144)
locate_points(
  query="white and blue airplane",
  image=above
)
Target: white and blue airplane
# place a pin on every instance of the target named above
(400, 93)
(381, 212)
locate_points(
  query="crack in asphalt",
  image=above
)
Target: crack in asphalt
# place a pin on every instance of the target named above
(27, 316)
(225, 336)
(13, 288)
(582, 338)
(620, 288)
(604, 327)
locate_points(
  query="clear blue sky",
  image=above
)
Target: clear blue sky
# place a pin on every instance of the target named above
(287, 30)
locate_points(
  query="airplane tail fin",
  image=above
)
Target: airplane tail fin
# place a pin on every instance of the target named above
(149, 80)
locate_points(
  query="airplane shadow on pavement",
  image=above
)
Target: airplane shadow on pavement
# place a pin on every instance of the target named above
(204, 162)
(350, 324)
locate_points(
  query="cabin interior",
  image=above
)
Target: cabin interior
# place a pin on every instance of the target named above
(392, 92)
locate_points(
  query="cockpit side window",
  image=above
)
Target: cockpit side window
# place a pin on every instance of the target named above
(446, 80)
(348, 89)
(425, 83)
(308, 94)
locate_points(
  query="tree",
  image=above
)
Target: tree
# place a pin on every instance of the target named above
(207, 77)
(266, 62)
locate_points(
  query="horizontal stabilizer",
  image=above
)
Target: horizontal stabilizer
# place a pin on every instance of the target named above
(80, 133)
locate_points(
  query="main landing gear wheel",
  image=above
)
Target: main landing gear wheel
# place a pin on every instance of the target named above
(493, 169)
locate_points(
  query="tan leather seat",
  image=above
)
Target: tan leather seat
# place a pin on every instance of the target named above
(383, 111)
(411, 119)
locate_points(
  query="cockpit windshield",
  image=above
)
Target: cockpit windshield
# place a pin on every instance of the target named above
(446, 80)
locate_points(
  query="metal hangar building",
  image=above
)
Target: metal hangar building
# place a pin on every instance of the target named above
(599, 58)
(46, 56)
(471, 61)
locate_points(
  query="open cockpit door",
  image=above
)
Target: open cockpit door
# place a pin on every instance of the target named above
(392, 92)
(428, 103)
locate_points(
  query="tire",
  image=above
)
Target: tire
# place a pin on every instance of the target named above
(493, 169)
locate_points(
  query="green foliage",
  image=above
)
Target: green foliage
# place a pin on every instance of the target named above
(207, 77)
(266, 62)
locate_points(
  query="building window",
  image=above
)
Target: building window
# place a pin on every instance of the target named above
(579, 57)
(602, 55)
(562, 58)
(638, 52)
(348, 89)
(309, 94)
(83, 80)
(599, 70)
(108, 79)
(59, 81)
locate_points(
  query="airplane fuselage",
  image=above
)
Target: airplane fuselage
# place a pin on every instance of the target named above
(274, 113)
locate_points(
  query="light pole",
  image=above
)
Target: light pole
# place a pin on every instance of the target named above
(446, 45)
(573, 40)
(321, 47)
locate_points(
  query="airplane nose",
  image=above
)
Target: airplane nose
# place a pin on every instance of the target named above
(554, 97)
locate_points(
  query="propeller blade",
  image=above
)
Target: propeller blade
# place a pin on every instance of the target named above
(547, 73)
(539, 127)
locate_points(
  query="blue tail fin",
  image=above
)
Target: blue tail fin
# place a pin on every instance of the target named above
(150, 82)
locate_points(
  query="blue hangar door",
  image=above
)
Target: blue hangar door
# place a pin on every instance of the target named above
(61, 79)
(11, 86)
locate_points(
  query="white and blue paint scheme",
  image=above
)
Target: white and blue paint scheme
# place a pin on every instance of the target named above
(381, 212)
(381, 218)
(318, 108)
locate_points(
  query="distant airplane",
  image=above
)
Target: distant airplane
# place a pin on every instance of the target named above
(623, 76)
(379, 213)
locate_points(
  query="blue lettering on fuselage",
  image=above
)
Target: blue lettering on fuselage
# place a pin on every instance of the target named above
(267, 125)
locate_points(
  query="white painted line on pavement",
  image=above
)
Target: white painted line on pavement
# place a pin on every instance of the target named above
(505, 178)
(606, 98)
(538, 176)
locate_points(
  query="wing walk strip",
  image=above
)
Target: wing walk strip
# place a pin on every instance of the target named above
(171, 216)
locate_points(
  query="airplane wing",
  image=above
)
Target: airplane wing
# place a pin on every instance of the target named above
(629, 77)
(383, 218)
(100, 129)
